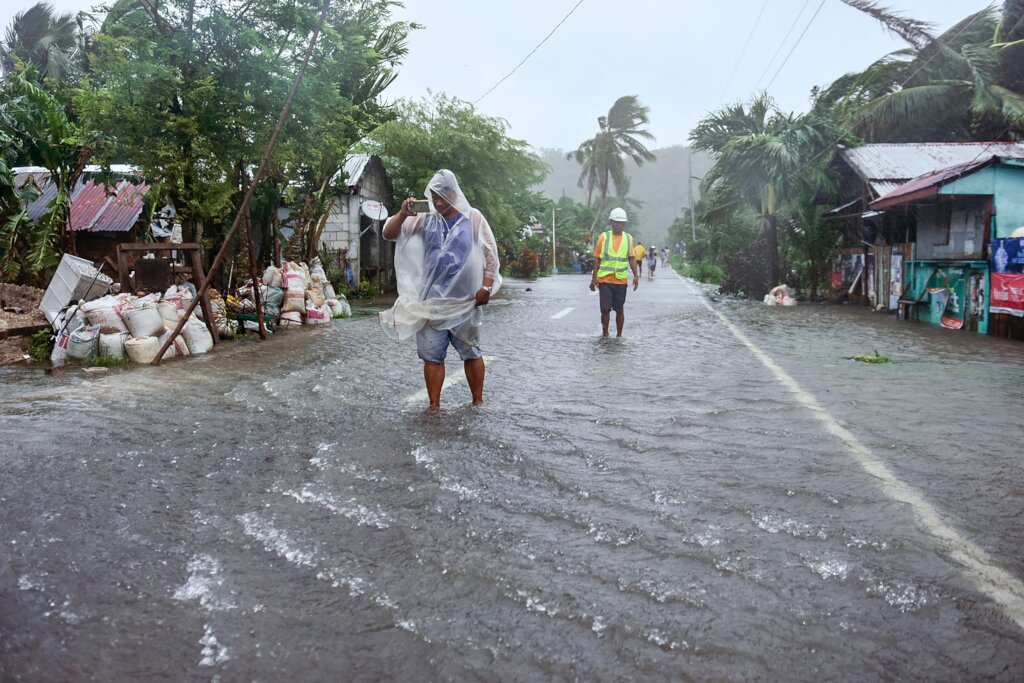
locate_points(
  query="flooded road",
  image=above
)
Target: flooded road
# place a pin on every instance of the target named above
(720, 495)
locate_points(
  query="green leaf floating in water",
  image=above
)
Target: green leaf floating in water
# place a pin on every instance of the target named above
(874, 358)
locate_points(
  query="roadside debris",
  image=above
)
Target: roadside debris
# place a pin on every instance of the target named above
(94, 324)
(779, 296)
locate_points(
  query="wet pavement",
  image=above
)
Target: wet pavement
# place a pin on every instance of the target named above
(720, 495)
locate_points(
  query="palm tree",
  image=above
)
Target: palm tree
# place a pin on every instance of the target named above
(47, 43)
(965, 84)
(603, 157)
(765, 159)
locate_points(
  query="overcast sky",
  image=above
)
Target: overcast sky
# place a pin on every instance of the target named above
(675, 55)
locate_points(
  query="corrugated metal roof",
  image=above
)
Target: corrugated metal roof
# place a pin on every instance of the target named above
(887, 166)
(928, 184)
(94, 208)
(97, 208)
(354, 167)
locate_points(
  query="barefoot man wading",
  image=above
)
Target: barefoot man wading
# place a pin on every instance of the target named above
(446, 265)
(614, 259)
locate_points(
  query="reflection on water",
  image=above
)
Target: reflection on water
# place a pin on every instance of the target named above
(653, 507)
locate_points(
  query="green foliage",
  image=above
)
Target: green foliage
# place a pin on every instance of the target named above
(40, 345)
(702, 271)
(106, 362)
(770, 165)
(872, 358)
(602, 158)
(444, 132)
(191, 92)
(963, 85)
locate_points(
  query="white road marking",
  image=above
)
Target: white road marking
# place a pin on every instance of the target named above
(450, 378)
(1000, 585)
(562, 313)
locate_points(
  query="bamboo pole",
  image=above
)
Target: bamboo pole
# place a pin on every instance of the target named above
(249, 192)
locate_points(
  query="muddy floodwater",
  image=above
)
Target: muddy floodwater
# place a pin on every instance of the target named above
(720, 495)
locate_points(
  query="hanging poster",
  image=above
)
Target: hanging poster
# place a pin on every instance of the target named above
(1007, 279)
(869, 275)
(953, 315)
(895, 280)
(939, 299)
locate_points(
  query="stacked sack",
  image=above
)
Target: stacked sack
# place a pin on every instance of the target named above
(137, 327)
(298, 294)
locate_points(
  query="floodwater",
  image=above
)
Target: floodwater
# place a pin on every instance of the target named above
(658, 507)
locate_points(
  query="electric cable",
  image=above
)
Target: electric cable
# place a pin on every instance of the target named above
(531, 53)
(792, 26)
(743, 52)
(799, 38)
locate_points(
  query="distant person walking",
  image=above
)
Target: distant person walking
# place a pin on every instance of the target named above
(664, 257)
(652, 262)
(640, 252)
(614, 259)
(446, 264)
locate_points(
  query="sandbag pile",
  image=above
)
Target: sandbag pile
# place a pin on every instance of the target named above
(119, 326)
(293, 295)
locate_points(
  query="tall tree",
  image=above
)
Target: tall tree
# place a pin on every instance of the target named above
(493, 169)
(190, 89)
(965, 84)
(603, 157)
(764, 159)
(47, 44)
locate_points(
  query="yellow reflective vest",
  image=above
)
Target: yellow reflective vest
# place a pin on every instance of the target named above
(616, 263)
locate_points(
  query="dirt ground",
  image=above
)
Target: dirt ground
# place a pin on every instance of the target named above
(14, 349)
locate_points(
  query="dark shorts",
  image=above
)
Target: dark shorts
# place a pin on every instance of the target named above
(612, 296)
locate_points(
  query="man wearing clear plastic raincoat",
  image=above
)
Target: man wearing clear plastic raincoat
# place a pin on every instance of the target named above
(446, 262)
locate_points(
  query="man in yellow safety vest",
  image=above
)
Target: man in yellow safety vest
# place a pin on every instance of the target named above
(614, 258)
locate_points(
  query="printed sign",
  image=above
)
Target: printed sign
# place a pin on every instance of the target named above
(1007, 279)
(1007, 295)
(895, 280)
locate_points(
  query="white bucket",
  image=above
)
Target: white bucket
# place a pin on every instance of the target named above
(112, 344)
(197, 337)
(82, 342)
(143, 319)
(142, 350)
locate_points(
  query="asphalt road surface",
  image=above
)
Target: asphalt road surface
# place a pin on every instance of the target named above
(722, 494)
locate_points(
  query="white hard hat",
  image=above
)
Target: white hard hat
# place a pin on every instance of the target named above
(617, 214)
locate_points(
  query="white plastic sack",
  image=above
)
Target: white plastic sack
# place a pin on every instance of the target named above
(82, 343)
(106, 311)
(142, 317)
(197, 337)
(142, 350)
(112, 344)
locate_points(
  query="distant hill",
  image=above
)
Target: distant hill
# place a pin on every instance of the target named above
(660, 185)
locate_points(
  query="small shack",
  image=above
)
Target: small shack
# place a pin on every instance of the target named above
(103, 215)
(352, 233)
(878, 241)
(961, 211)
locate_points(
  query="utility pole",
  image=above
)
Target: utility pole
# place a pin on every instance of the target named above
(689, 187)
(554, 263)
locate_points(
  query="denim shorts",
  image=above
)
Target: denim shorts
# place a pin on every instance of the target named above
(432, 345)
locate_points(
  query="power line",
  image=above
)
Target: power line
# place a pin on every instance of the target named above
(799, 38)
(792, 26)
(531, 53)
(743, 52)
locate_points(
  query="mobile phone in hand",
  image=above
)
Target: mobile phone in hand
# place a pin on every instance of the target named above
(421, 206)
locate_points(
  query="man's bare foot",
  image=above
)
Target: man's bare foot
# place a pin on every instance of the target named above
(431, 409)
(604, 333)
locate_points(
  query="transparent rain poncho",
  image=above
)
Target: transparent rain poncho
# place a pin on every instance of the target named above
(439, 269)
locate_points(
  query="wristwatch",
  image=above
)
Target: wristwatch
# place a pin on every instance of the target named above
(489, 289)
